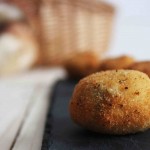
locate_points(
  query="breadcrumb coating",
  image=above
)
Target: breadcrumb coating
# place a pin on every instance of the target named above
(112, 102)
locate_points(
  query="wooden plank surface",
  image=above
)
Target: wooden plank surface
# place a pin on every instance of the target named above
(13, 106)
(34, 123)
(23, 107)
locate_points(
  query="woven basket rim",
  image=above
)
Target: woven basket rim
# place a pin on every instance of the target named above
(94, 6)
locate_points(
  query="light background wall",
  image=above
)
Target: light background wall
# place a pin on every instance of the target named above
(131, 32)
(132, 7)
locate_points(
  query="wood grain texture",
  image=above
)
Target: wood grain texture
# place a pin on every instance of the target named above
(13, 106)
(23, 108)
(30, 136)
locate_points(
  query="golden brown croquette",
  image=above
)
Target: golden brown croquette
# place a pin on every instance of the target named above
(112, 102)
(143, 66)
(121, 62)
(82, 64)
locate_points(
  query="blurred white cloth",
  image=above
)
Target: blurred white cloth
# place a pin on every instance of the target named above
(23, 108)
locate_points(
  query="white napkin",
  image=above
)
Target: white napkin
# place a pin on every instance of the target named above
(23, 107)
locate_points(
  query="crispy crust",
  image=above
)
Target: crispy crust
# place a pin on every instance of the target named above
(112, 102)
(121, 62)
(143, 66)
(82, 64)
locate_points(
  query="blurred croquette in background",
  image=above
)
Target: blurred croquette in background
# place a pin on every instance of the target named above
(82, 36)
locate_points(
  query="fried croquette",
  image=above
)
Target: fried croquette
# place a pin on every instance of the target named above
(143, 66)
(82, 64)
(121, 62)
(112, 102)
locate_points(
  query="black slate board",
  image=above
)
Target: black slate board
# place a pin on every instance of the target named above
(62, 134)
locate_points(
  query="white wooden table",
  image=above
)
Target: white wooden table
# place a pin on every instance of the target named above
(23, 108)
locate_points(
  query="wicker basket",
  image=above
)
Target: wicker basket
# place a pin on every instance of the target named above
(71, 26)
